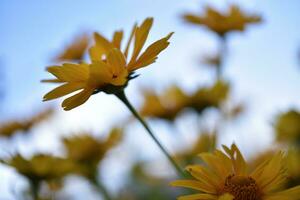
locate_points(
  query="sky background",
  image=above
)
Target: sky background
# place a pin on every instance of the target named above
(262, 67)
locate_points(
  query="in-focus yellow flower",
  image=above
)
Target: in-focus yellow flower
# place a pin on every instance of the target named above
(41, 167)
(87, 151)
(287, 127)
(226, 177)
(166, 106)
(9, 128)
(223, 23)
(110, 69)
(207, 97)
(76, 50)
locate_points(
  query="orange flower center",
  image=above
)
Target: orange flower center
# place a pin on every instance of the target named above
(242, 188)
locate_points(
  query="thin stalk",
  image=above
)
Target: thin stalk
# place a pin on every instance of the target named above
(124, 99)
(222, 54)
(101, 188)
(34, 189)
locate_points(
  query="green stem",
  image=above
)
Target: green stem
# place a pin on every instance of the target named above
(124, 99)
(222, 54)
(34, 189)
(101, 188)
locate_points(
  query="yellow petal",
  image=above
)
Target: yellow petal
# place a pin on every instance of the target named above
(204, 175)
(141, 34)
(69, 72)
(198, 197)
(117, 39)
(129, 41)
(99, 74)
(226, 197)
(151, 53)
(193, 19)
(78, 99)
(196, 185)
(101, 47)
(289, 194)
(63, 90)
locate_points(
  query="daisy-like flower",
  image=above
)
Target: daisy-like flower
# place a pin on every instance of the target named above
(110, 69)
(74, 51)
(223, 23)
(166, 106)
(225, 177)
(287, 127)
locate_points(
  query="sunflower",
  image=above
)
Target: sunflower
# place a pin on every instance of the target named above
(110, 69)
(223, 23)
(225, 177)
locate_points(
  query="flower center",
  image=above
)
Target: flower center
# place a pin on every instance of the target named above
(242, 188)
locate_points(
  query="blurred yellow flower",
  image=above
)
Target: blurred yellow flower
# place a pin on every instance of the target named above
(225, 177)
(166, 106)
(223, 23)
(287, 127)
(41, 167)
(110, 69)
(206, 142)
(87, 151)
(7, 129)
(75, 51)
(209, 96)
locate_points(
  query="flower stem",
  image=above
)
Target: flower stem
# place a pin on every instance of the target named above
(101, 188)
(124, 99)
(222, 54)
(34, 189)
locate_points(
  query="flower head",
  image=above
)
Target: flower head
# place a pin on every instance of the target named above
(110, 69)
(226, 177)
(287, 127)
(212, 96)
(41, 167)
(91, 151)
(166, 106)
(223, 23)
(9, 128)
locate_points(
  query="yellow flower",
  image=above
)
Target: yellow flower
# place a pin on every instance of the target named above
(41, 167)
(166, 106)
(110, 70)
(225, 176)
(75, 51)
(222, 23)
(9, 128)
(91, 151)
(209, 96)
(287, 127)
(206, 142)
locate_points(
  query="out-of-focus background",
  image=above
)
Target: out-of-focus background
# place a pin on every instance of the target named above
(262, 66)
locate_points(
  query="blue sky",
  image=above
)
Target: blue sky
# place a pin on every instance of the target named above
(262, 64)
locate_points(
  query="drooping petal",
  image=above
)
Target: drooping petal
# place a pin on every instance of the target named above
(151, 53)
(198, 197)
(63, 90)
(78, 99)
(196, 185)
(69, 72)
